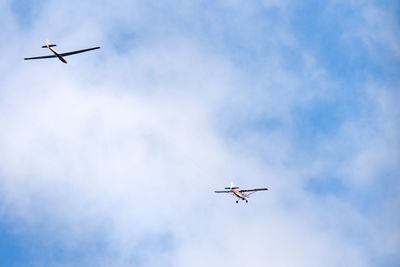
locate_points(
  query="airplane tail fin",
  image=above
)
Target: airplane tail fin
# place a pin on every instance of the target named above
(48, 45)
(232, 187)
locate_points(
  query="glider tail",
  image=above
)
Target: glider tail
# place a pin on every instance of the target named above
(48, 45)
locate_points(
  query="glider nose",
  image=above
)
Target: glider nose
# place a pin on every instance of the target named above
(63, 60)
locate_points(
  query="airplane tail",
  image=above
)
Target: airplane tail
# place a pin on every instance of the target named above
(48, 45)
(232, 187)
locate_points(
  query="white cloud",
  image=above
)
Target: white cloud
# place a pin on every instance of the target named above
(381, 29)
(127, 148)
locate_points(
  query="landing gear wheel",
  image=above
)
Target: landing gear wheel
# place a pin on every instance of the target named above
(247, 201)
(237, 201)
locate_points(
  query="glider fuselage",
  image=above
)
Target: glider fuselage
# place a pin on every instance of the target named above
(56, 53)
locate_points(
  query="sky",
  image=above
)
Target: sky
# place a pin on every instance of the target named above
(113, 158)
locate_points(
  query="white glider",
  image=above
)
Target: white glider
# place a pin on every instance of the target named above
(60, 56)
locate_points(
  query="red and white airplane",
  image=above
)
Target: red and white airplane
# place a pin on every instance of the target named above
(60, 56)
(234, 190)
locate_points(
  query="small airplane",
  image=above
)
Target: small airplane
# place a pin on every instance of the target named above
(234, 190)
(60, 55)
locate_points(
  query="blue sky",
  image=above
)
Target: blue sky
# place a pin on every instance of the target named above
(112, 159)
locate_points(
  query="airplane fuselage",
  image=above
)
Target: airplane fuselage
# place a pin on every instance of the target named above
(239, 194)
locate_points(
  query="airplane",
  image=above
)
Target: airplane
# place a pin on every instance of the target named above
(234, 190)
(60, 56)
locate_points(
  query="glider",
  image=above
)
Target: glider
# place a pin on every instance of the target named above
(234, 190)
(60, 56)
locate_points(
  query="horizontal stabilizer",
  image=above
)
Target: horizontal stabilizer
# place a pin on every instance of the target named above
(235, 187)
(45, 46)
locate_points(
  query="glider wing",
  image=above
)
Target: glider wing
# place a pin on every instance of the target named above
(28, 58)
(78, 51)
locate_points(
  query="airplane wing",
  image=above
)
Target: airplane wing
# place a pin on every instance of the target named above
(78, 51)
(28, 58)
(254, 190)
(225, 191)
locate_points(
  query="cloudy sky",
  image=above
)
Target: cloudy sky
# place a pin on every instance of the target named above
(112, 159)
